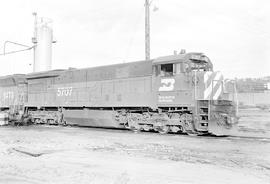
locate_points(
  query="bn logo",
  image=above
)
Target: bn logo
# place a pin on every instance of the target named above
(167, 85)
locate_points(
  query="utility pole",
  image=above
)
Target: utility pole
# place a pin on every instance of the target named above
(34, 39)
(147, 30)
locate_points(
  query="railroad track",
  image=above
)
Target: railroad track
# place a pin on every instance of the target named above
(267, 139)
(259, 138)
(209, 136)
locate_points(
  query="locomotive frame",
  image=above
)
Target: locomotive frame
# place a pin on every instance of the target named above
(178, 93)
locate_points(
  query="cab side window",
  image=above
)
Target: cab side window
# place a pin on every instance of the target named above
(166, 70)
(170, 69)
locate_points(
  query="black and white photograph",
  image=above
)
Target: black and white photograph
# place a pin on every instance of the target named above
(135, 92)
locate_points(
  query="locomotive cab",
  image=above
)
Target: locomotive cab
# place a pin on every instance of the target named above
(186, 83)
(177, 76)
(184, 63)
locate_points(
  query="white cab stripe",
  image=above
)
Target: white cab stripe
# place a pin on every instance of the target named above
(218, 76)
(206, 76)
(214, 84)
(218, 92)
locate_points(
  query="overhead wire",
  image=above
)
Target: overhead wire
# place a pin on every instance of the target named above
(12, 52)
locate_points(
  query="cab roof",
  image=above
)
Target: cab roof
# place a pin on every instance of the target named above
(195, 57)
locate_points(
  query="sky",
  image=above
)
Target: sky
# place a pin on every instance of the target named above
(234, 34)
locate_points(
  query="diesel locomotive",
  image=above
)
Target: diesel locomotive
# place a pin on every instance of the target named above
(176, 93)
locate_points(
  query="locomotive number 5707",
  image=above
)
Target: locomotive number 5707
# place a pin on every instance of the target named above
(64, 91)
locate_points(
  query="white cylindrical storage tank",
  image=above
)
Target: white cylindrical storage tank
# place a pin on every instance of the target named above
(43, 48)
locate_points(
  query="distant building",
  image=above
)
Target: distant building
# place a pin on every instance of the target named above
(251, 91)
(250, 85)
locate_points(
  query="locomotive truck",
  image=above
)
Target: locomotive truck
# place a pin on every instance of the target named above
(176, 93)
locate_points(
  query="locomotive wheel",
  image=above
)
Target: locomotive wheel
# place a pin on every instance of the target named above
(155, 128)
(133, 120)
(175, 129)
(133, 126)
(37, 121)
(146, 128)
(126, 125)
(163, 129)
(136, 128)
(50, 122)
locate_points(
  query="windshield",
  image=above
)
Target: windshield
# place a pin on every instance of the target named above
(200, 63)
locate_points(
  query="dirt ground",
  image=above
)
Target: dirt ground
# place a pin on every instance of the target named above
(51, 154)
